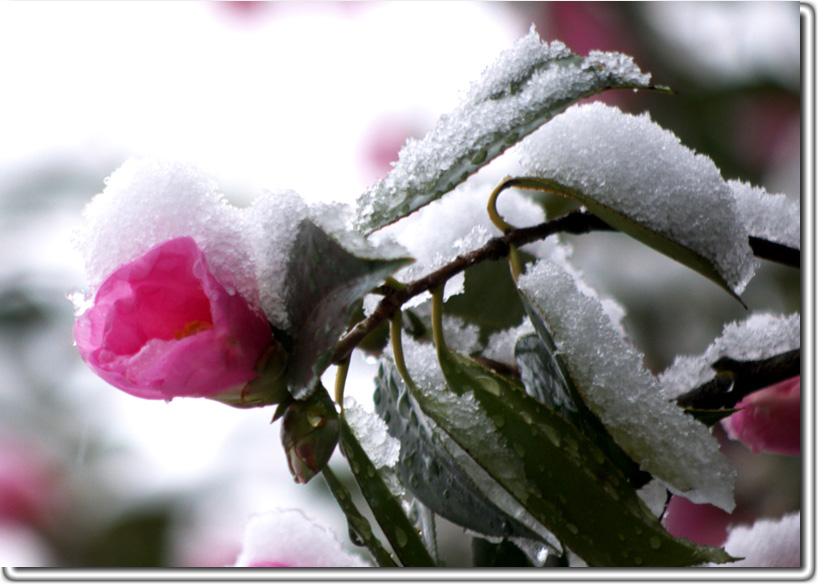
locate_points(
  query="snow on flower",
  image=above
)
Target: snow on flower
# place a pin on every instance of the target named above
(769, 419)
(162, 326)
(289, 538)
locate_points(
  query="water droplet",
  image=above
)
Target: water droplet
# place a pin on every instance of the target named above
(400, 537)
(572, 528)
(490, 385)
(356, 467)
(413, 418)
(377, 396)
(478, 157)
(498, 420)
(370, 471)
(527, 418)
(621, 537)
(355, 538)
(414, 480)
(562, 499)
(655, 542)
(519, 450)
(446, 494)
(599, 457)
(638, 561)
(387, 417)
(403, 405)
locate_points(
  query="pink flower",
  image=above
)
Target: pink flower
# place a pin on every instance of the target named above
(769, 419)
(700, 523)
(162, 326)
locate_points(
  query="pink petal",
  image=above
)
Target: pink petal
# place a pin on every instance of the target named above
(162, 326)
(770, 419)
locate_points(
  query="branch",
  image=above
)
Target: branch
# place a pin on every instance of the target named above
(574, 222)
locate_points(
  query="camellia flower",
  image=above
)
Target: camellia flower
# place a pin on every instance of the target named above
(162, 326)
(769, 419)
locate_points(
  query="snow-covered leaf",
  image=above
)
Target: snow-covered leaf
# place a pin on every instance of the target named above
(403, 536)
(639, 179)
(547, 379)
(608, 373)
(432, 466)
(324, 283)
(568, 483)
(524, 88)
(760, 336)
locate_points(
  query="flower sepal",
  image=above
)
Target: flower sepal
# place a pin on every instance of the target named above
(269, 388)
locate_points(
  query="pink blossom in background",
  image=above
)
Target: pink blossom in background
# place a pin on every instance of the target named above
(289, 538)
(769, 419)
(29, 484)
(163, 326)
(700, 523)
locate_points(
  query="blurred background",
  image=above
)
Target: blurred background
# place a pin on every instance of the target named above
(317, 97)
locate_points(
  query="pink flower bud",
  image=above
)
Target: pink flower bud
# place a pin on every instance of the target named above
(162, 326)
(769, 419)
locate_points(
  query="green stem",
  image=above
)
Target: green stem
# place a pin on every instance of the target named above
(341, 379)
(398, 350)
(438, 319)
(492, 209)
(357, 523)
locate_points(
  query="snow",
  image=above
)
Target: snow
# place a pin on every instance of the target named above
(270, 226)
(527, 84)
(638, 170)
(381, 447)
(608, 372)
(290, 538)
(772, 217)
(146, 202)
(760, 336)
(767, 543)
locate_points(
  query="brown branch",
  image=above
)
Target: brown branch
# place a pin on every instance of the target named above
(575, 222)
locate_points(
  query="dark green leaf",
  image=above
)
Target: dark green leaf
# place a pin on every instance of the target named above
(428, 468)
(710, 417)
(567, 482)
(403, 536)
(358, 525)
(325, 283)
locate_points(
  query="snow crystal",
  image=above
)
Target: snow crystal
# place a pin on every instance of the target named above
(760, 336)
(371, 431)
(290, 538)
(641, 171)
(501, 345)
(146, 202)
(608, 372)
(522, 89)
(270, 227)
(768, 543)
(772, 217)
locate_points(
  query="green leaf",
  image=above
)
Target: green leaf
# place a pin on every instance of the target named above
(358, 525)
(523, 89)
(638, 230)
(403, 536)
(568, 483)
(546, 379)
(430, 470)
(710, 417)
(325, 282)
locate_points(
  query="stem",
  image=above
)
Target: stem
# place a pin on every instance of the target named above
(398, 350)
(438, 319)
(492, 210)
(341, 379)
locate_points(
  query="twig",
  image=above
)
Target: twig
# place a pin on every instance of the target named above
(575, 222)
